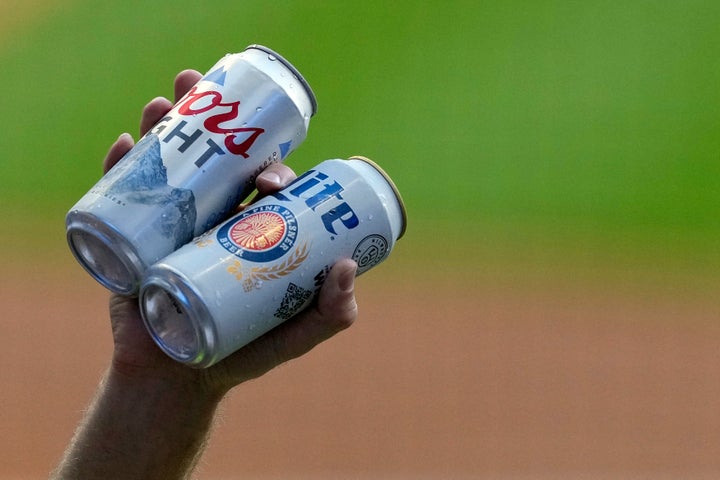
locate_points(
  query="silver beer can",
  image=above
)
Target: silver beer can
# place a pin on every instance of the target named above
(259, 268)
(193, 168)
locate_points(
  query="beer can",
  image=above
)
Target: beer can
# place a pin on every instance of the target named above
(265, 264)
(192, 169)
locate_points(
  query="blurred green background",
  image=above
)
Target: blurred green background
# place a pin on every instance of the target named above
(526, 136)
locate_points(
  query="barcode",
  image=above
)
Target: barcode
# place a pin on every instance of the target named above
(294, 300)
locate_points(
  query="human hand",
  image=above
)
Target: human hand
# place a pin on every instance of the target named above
(136, 355)
(151, 415)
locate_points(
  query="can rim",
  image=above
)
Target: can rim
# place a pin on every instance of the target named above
(394, 188)
(284, 61)
(177, 286)
(113, 242)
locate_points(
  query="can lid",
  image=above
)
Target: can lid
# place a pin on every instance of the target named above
(394, 188)
(301, 79)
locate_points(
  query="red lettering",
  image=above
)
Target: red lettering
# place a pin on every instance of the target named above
(242, 148)
(187, 102)
(194, 103)
(213, 123)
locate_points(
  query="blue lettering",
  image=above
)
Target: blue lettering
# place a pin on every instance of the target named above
(330, 191)
(187, 139)
(214, 149)
(305, 186)
(344, 214)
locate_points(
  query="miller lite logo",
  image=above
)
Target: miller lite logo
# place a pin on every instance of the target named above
(324, 198)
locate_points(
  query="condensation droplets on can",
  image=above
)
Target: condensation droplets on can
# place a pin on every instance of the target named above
(264, 265)
(192, 169)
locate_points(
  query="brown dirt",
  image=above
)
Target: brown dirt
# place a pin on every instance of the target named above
(450, 379)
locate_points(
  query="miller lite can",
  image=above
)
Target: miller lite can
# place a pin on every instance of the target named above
(259, 268)
(193, 168)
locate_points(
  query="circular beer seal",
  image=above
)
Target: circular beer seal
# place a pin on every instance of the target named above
(370, 251)
(260, 234)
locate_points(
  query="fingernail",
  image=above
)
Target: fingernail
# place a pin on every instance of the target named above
(271, 177)
(125, 136)
(347, 280)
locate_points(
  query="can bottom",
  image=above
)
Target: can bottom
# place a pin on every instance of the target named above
(104, 253)
(177, 319)
(169, 324)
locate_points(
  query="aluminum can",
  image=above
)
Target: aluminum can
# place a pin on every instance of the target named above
(259, 268)
(192, 169)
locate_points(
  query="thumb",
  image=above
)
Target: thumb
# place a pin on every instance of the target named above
(334, 311)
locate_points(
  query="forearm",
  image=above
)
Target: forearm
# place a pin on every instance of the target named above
(149, 429)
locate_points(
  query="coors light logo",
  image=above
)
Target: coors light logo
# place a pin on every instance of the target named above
(220, 116)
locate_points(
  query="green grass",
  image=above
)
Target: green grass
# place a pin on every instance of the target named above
(539, 126)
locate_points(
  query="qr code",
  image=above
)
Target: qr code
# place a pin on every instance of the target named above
(294, 299)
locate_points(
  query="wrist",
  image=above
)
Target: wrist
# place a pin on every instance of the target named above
(141, 426)
(172, 416)
(178, 384)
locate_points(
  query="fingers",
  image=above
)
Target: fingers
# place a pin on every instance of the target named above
(121, 146)
(153, 111)
(160, 106)
(156, 109)
(151, 114)
(273, 178)
(184, 82)
(337, 297)
(334, 311)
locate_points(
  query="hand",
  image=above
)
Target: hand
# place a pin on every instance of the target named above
(137, 356)
(151, 415)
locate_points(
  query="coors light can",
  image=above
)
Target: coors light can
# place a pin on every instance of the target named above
(192, 169)
(256, 270)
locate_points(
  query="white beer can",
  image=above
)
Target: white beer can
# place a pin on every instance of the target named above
(193, 168)
(256, 270)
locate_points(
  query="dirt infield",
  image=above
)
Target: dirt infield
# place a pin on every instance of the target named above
(456, 379)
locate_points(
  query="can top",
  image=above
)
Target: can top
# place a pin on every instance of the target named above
(394, 188)
(301, 79)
